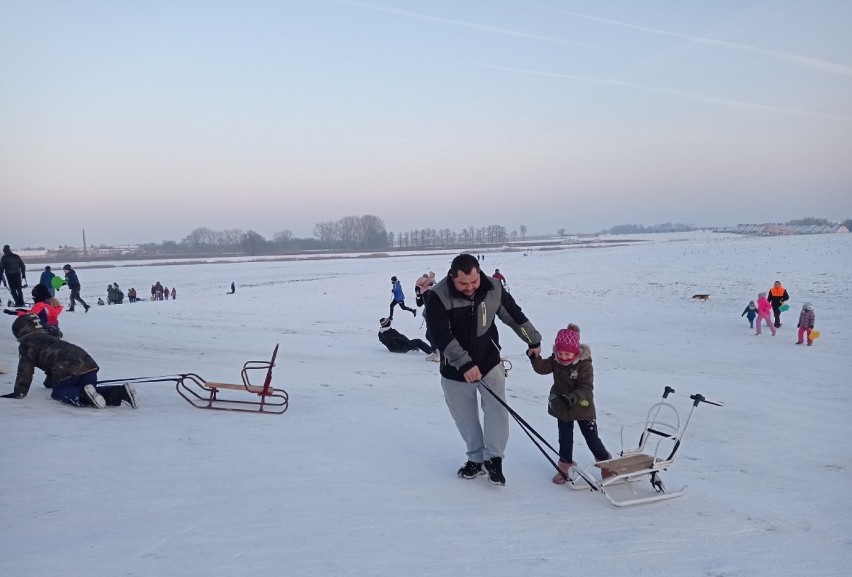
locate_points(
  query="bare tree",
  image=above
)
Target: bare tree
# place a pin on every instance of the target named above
(282, 236)
(523, 229)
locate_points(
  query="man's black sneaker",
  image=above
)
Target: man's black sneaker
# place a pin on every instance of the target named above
(470, 470)
(495, 471)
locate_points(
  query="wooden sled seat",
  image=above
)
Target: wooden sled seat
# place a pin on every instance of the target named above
(629, 464)
(204, 394)
(660, 437)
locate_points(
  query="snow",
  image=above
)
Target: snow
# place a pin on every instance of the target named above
(358, 476)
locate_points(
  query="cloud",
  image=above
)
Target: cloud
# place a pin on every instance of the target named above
(708, 98)
(795, 59)
(461, 23)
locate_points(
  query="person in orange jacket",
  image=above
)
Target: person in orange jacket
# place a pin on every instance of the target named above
(777, 297)
(46, 308)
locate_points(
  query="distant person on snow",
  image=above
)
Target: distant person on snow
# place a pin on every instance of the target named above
(70, 372)
(46, 308)
(764, 313)
(572, 398)
(174, 293)
(499, 276)
(750, 313)
(46, 279)
(423, 285)
(398, 298)
(233, 289)
(74, 285)
(14, 274)
(806, 323)
(396, 342)
(777, 297)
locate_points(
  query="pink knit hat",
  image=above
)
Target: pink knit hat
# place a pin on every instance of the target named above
(568, 340)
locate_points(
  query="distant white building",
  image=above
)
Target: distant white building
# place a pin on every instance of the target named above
(775, 229)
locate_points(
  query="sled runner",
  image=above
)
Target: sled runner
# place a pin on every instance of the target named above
(659, 440)
(207, 395)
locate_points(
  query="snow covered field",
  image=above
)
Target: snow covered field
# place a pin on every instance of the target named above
(358, 476)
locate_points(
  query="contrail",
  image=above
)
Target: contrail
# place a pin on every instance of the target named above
(462, 23)
(670, 91)
(797, 59)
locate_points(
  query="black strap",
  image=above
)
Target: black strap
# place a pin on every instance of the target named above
(530, 431)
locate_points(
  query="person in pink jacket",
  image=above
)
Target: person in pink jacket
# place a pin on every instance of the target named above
(764, 313)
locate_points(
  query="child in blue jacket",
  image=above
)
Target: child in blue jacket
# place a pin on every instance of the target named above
(751, 311)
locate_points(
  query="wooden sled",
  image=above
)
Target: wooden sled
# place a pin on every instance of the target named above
(206, 395)
(660, 438)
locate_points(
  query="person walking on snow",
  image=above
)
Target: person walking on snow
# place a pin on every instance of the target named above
(398, 298)
(70, 372)
(74, 285)
(764, 313)
(13, 271)
(777, 297)
(460, 317)
(750, 313)
(806, 323)
(572, 398)
(499, 276)
(46, 280)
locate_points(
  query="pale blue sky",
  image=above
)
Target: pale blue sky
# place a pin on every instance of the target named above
(140, 121)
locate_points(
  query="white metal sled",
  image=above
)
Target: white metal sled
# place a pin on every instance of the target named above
(620, 477)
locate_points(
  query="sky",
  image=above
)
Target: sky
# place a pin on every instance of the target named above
(358, 477)
(140, 122)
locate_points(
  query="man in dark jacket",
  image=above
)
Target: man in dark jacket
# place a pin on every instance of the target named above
(69, 371)
(74, 285)
(396, 342)
(14, 271)
(460, 317)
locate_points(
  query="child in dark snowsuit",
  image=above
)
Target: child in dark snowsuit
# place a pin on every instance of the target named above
(396, 342)
(572, 398)
(751, 311)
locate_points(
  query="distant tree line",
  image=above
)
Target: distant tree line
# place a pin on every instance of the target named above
(366, 232)
(640, 229)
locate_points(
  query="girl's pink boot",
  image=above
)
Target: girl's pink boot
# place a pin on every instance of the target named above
(564, 474)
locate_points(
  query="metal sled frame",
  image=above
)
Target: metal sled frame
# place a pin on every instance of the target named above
(206, 395)
(647, 461)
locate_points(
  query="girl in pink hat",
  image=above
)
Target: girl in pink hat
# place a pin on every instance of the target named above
(572, 398)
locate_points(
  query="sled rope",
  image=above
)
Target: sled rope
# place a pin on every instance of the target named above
(530, 431)
(157, 379)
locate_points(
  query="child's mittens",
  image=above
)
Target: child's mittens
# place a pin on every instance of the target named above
(568, 400)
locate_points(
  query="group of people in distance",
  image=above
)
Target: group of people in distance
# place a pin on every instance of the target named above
(770, 305)
(472, 372)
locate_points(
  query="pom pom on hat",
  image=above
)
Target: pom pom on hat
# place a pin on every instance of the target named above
(568, 340)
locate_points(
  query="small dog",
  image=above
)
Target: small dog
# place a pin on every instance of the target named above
(701, 297)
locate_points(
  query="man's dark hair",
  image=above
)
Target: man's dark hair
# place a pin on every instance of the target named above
(465, 263)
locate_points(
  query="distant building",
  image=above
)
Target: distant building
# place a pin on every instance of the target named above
(777, 229)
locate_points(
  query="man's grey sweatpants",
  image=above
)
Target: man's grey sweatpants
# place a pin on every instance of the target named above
(487, 440)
